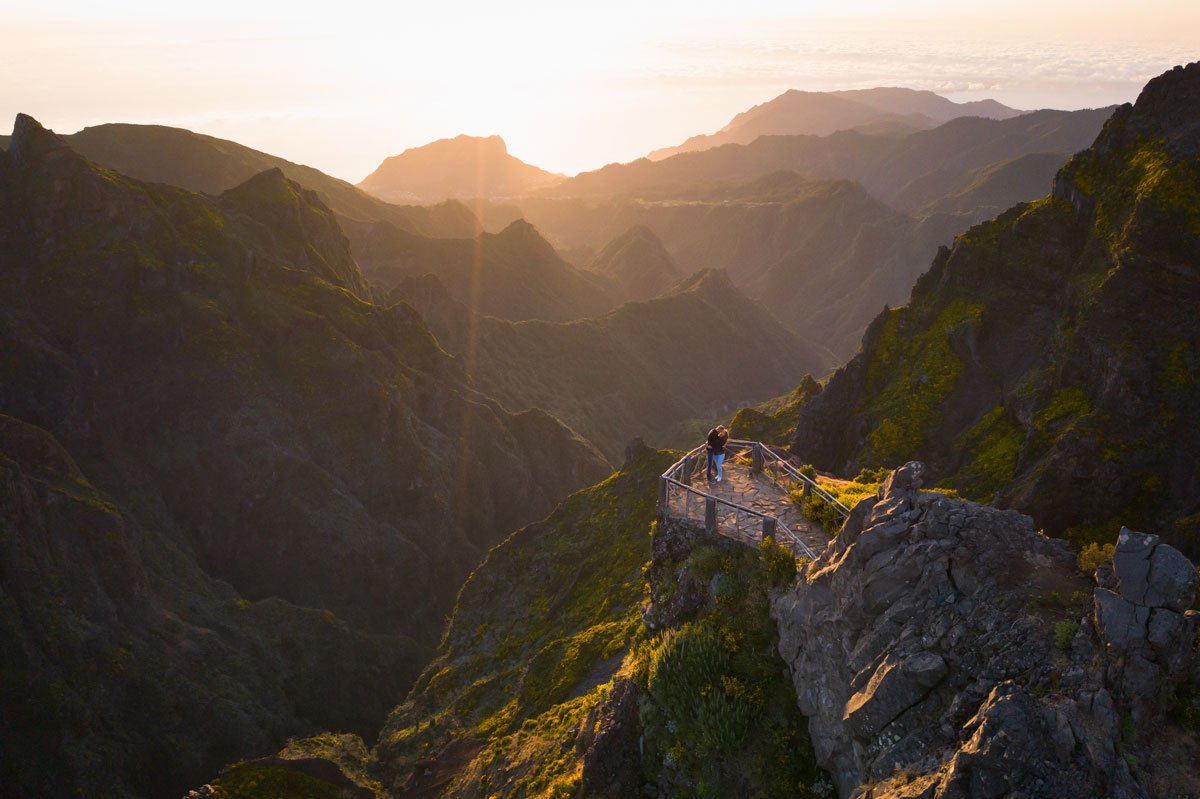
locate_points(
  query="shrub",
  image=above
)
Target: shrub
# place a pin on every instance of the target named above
(778, 561)
(1064, 634)
(1185, 710)
(1091, 556)
(875, 476)
(685, 680)
(705, 561)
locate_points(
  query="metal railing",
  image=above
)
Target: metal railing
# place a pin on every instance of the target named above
(679, 498)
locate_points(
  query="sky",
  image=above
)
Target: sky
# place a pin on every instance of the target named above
(570, 85)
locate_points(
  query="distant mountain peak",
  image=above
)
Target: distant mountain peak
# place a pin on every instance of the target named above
(30, 140)
(637, 261)
(519, 227)
(463, 166)
(301, 224)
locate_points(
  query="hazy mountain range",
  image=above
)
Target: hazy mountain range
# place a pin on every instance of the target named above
(824, 258)
(884, 110)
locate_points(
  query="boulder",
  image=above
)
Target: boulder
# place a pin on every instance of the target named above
(1143, 620)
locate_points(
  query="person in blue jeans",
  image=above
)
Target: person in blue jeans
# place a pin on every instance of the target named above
(717, 437)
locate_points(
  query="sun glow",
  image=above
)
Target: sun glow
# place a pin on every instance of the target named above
(570, 86)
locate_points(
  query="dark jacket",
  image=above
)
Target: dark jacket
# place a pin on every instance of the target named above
(716, 441)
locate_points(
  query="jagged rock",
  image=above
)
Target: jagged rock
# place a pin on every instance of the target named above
(924, 657)
(1145, 623)
(672, 541)
(608, 746)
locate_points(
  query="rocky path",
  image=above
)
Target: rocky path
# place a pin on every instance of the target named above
(756, 492)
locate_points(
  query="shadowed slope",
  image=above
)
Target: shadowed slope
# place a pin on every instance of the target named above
(267, 426)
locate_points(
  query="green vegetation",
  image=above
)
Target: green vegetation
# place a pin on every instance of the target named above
(1064, 634)
(1094, 554)
(774, 422)
(719, 713)
(994, 443)
(912, 373)
(347, 751)
(251, 781)
(689, 681)
(816, 509)
(778, 561)
(1065, 407)
(1140, 174)
(519, 675)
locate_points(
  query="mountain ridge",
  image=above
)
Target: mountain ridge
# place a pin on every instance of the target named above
(885, 165)
(637, 370)
(797, 112)
(638, 263)
(1055, 340)
(203, 163)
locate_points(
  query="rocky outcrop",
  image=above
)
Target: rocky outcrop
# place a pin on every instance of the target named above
(935, 655)
(1144, 618)
(608, 745)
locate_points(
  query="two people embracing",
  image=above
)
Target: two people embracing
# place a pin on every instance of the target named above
(717, 438)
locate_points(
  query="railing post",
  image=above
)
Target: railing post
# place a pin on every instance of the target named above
(689, 465)
(756, 458)
(710, 514)
(768, 527)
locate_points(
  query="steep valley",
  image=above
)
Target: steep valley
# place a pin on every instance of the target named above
(700, 351)
(216, 401)
(823, 256)
(304, 494)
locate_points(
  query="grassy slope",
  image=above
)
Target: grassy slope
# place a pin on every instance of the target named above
(774, 421)
(539, 629)
(554, 615)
